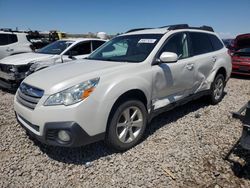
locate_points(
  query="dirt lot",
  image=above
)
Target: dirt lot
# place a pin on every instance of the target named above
(182, 148)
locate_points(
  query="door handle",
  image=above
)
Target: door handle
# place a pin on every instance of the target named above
(190, 66)
(10, 50)
(214, 59)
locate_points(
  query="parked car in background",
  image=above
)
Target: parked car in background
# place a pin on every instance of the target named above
(14, 69)
(12, 43)
(228, 43)
(241, 55)
(120, 87)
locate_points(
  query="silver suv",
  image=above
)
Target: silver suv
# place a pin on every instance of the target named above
(114, 93)
(12, 43)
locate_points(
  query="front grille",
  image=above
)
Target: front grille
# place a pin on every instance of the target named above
(18, 68)
(29, 96)
(4, 68)
(23, 68)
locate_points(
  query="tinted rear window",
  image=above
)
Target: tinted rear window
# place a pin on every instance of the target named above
(200, 43)
(217, 45)
(6, 39)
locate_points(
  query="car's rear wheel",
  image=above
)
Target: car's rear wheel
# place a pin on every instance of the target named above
(126, 125)
(217, 89)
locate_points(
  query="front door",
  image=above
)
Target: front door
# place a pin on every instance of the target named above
(173, 81)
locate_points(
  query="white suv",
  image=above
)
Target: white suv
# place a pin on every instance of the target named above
(116, 91)
(13, 43)
(14, 69)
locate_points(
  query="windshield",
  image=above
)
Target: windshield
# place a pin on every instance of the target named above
(128, 48)
(56, 47)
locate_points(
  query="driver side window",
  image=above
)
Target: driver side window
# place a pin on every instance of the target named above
(80, 49)
(178, 44)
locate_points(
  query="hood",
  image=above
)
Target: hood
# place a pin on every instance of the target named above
(242, 41)
(63, 76)
(25, 58)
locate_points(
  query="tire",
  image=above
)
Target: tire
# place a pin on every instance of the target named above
(217, 89)
(125, 131)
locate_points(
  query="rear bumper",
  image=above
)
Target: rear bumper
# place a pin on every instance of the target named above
(241, 68)
(50, 137)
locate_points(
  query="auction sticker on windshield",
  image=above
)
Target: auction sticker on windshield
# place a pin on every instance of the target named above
(151, 41)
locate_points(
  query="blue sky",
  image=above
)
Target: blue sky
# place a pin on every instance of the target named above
(228, 17)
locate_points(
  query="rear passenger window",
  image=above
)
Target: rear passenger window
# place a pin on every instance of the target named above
(200, 43)
(6, 39)
(12, 38)
(217, 45)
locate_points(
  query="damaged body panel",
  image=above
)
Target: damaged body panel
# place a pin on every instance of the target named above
(11, 75)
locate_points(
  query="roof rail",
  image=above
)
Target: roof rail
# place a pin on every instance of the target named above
(186, 26)
(207, 28)
(137, 29)
(177, 26)
(6, 29)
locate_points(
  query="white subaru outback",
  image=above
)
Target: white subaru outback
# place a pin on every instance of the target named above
(114, 93)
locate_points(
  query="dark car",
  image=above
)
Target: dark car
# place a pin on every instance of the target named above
(241, 55)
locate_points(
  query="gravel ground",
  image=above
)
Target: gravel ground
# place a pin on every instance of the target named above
(182, 148)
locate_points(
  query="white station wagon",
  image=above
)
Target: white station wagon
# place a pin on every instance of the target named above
(114, 93)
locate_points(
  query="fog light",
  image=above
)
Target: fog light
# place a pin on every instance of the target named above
(64, 136)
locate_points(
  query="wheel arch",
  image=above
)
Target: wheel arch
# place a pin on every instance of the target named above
(135, 94)
(222, 70)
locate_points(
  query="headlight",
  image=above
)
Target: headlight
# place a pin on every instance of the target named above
(73, 94)
(32, 67)
(11, 68)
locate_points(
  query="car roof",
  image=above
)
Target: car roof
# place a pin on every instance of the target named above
(242, 36)
(8, 32)
(162, 30)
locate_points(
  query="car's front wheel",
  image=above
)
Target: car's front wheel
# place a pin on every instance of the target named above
(127, 125)
(217, 89)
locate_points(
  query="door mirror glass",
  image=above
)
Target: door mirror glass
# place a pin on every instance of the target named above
(168, 57)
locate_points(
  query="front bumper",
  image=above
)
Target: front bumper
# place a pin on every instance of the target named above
(50, 133)
(10, 80)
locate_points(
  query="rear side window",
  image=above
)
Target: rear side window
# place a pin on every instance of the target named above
(12, 38)
(6, 39)
(217, 45)
(96, 44)
(200, 43)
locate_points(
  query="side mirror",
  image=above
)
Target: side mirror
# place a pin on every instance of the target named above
(168, 57)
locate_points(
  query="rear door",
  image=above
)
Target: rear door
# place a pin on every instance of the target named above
(204, 59)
